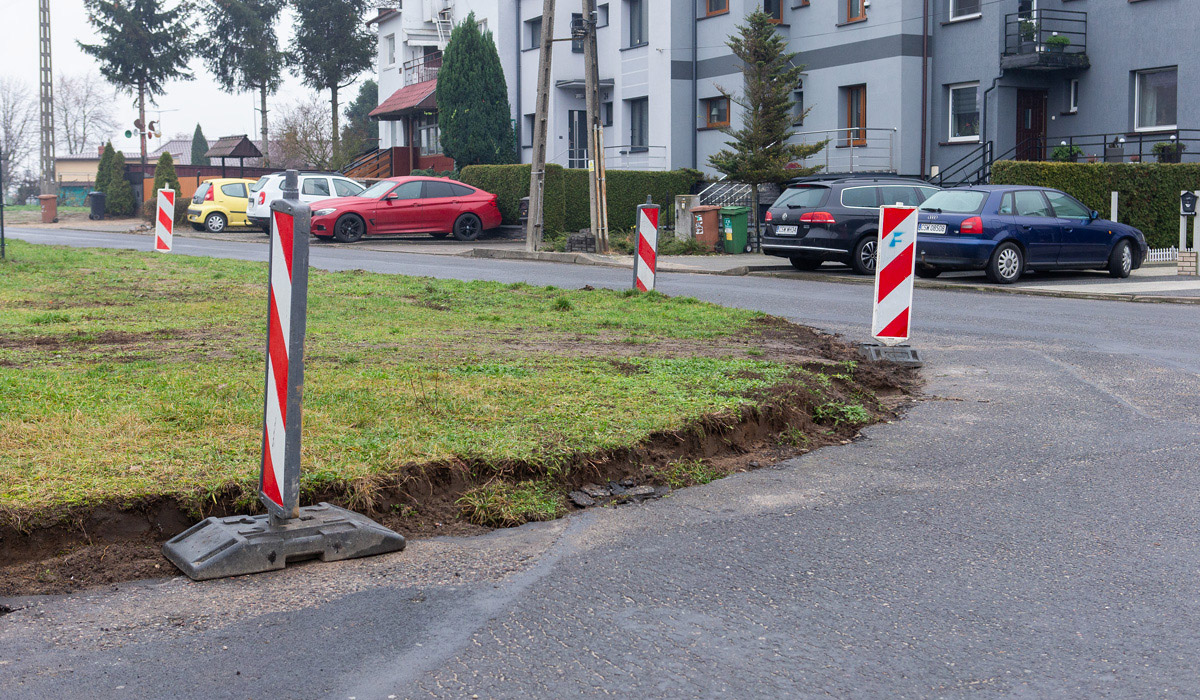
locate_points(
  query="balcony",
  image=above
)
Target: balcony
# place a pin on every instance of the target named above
(1045, 40)
(423, 68)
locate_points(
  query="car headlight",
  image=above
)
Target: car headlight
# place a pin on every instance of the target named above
(323, 212)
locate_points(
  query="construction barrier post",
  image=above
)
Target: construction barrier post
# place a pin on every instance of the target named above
(645, 255)
(238, 545)
(164, 221)
(895, 266)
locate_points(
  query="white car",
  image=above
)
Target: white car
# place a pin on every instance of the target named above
(314, 187)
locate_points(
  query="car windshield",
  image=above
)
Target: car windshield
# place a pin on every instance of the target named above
(955, 202)
(262, 181)
(801, 197)
(378, 189)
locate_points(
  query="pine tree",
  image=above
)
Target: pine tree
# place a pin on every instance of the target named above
(199, 147)
(243, 50)
(165, 177)
(359, 134)
(759, 152)
(104, 169)
(121, 200)
(474, 117)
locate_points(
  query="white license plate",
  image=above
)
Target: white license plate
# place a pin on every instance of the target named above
(931, 228)
(785, 230)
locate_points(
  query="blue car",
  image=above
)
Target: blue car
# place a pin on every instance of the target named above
(1008, 229)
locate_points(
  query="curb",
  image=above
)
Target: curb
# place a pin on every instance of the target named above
(607, 261)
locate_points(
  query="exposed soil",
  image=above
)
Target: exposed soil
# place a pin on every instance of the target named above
(102, 545)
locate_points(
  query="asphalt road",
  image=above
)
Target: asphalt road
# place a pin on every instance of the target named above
(1027, 530)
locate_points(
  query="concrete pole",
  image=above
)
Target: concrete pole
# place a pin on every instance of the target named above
(1112, 207)
(537, 172)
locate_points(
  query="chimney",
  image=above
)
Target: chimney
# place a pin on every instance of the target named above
(100, 151)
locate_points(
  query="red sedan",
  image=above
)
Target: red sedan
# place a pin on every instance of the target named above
(432, 205)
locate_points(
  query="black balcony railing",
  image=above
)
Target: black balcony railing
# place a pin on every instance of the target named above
(422, 68)
(1045, 39)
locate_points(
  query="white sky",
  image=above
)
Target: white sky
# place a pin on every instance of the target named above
(184, 103)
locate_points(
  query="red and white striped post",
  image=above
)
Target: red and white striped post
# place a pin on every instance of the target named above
(279, 483)
(164, 220)
(894, 268)
(645, 256)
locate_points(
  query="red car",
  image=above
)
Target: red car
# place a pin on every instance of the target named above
(432, 205)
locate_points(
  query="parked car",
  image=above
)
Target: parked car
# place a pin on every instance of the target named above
(1006, 230)
(437, 206)
(219, 204)
(835, 219)
(314, 187)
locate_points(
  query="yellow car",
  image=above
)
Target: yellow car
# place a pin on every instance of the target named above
(219, 204)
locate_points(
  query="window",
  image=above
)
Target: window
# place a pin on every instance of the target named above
(898, 194)
(437, 190)
(856, 10)
(1072, 96)
(461, 190)
(390, 43)
(602, 15)
(798, 109)
(639, 123)
(606, 111)
(527, 135)
(716, 112)
(409, 190)
(533, 31)
(964, 112)
(315, 186)
(856, 115)
(576, 44)
(234, 189)
(956, 202)
(428, 137)
(1066, 207)
(637, 22)
(716, 7)
(774, 8)
(962, 9)
(1031, 203)
(1154, 96)
(927, 192)
(798, 197)
(1006, 205)
(862, 197)
(346, 188)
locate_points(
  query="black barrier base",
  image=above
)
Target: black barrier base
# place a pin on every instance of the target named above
(900, 354)
(243, 544)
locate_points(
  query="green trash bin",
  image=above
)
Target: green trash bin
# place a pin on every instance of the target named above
(733, 228)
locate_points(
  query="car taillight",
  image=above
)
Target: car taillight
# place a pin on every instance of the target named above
(769, 217)
(817, 217)
(208, 194)
(973, 225)
(262, 197)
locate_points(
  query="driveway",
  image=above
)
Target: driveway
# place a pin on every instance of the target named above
(1028, 529)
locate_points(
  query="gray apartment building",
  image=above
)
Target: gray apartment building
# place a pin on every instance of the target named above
(917, 87)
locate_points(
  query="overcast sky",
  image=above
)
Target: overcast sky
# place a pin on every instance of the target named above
(184, 104)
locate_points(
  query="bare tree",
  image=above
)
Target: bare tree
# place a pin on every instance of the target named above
(18, 127)
(83, 113)
(304, 131)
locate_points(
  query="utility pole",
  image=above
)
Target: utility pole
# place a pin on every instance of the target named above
(49, 184)
(596, 192)
(537, 171)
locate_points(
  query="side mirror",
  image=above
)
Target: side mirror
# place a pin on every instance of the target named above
(390, 196)
(1094, 215)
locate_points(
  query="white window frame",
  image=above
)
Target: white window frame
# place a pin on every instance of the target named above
(950, 137)
(957, 17)
(1073, 96)
(1137, 99)
(425, 125)
(389, 48)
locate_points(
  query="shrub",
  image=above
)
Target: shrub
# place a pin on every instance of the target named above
(1066, 154)
(626, 190)
(121, 200)
(1168, 151)
(511, 182)
(165, 177)
(1149, 192)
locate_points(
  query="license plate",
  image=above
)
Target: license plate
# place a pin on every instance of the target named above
(785, 230)
(931, 228)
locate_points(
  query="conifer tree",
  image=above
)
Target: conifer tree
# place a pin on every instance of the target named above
(474, 117)
(165, 177)
(104, 169)
(200, 147)
(121, 200)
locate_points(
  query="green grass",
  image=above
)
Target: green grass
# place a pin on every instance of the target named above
(689, 472)
(504, 504)
(126, 375)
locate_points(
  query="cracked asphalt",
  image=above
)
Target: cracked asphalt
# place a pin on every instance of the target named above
(1028, 529)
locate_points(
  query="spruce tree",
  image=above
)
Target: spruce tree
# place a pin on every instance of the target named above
(104, 169)
(199, 147)
(165, 177)
(760, 152)
(474, 118)
(121, 200)
(359, 134)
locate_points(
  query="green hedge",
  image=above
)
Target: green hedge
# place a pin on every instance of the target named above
(1149, 192)
(567, 193)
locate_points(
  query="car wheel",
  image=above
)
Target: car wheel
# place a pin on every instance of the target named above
(803, 263)
(198, 227)
(863, 258)
(928, 272)
(349, 228)
(439, 235)
(1007, 264)
(467, 227)
(1120, 262)
(215, 223)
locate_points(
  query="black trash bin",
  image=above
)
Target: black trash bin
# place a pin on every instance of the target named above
(96, 201)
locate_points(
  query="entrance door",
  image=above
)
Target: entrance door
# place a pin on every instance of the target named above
(1031, 125)
(577, 138)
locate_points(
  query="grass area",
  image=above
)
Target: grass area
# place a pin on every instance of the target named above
(126, 375)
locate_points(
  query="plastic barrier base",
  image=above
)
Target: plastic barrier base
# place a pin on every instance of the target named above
(243, 544)
(900, 354)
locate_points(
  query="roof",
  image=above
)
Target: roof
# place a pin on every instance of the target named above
(234, 147)
(78, 156)
(180, 150)
(407, 99)
(384, 13)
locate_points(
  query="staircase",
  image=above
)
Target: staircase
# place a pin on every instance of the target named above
(372, 165)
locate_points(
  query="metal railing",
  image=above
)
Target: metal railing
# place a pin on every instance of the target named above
(1045, 31)
(1179, 146)
(636, 158)
(724, 193)
(975, 168)
(852, 149)
(422, 68)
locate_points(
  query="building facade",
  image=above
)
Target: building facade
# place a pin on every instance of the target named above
(916, 87)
